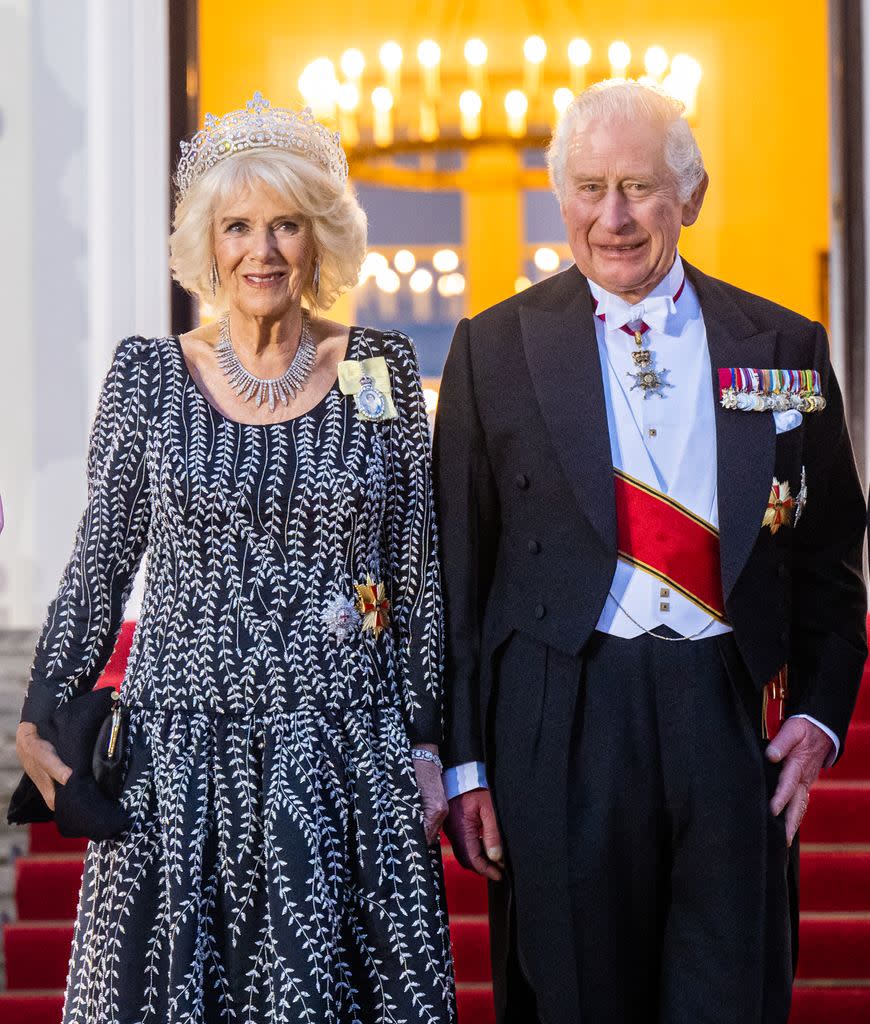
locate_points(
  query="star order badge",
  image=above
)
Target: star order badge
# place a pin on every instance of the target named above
(650, 381)
(372, 604)
(780, 506)
(801, 500)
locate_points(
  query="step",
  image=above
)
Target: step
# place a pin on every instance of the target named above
(45, 838)
(839, 812)
(824, 1003)
(835, 946)
(862, 706)
(37, 954)
(470, 936)
(38, 1006)
(855, 762)
(47, 886)
(466, 890)
(834, 877)
(816, 1005)
(474, 1003)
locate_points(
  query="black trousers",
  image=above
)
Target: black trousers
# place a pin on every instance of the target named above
(648, 880)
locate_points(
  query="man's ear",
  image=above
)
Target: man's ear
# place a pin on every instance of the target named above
(692, 206)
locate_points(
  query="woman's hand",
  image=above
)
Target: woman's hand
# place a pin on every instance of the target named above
(39, 759)
(432, 793)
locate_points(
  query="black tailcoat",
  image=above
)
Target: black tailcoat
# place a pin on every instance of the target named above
(524, 485)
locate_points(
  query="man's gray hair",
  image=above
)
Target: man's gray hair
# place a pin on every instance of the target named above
(623, 100)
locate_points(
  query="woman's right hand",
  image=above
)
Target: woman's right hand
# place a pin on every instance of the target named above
(39, 759)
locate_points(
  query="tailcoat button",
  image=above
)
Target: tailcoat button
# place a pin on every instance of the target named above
(534, 547)
(782, 571)
(540, 611)
(784, 636)
(522, 481)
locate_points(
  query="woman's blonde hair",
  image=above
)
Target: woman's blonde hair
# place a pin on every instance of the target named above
(338, 223)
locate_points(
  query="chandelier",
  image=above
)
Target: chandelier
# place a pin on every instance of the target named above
(394, 106)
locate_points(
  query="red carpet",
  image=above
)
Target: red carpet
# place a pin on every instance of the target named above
(833, 981)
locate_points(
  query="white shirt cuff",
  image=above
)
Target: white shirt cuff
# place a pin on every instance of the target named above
(831, 736)
(463, 778)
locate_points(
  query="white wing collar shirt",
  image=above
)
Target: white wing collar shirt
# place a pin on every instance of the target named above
(667, 441)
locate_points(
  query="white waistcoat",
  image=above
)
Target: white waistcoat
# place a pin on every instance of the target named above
(666, 442)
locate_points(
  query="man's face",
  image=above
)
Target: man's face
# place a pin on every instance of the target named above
(622, 208)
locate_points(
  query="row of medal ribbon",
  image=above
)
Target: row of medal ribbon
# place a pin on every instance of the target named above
(751, 390)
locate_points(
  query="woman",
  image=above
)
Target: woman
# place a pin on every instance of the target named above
(284, 681)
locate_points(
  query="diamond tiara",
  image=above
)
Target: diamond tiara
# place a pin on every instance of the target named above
(259, 126)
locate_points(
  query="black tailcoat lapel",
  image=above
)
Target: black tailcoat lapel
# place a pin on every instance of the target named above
(745, 441)
(562, 356)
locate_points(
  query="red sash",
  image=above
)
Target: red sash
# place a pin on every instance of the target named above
(662, 537)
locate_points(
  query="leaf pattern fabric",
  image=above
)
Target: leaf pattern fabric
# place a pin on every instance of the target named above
(277, 869)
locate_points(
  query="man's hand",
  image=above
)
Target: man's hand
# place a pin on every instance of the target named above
(474, 835)
(39, 759)
(803, 749)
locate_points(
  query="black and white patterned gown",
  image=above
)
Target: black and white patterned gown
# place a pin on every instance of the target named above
(277, 869)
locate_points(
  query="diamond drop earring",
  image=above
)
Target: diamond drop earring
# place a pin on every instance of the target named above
(214, 277)
(315, 281)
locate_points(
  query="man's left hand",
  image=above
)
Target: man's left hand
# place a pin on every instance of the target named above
(803, 749)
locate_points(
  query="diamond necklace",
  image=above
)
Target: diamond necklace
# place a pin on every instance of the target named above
(263, 389)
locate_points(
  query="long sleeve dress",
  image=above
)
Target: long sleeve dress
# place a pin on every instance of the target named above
(277, 867)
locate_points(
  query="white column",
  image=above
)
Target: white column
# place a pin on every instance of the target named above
(17, 545)
(85, 192)
(127, 107)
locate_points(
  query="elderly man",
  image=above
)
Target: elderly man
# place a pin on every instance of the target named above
(649, 511)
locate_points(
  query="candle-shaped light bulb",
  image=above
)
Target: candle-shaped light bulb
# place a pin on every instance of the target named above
(516, 107)
(619, 55)
(429, 56)
(562, 99)
(534, 50)
(348, 105)
(470, 107)
(655, 62)
(319, 87)
(476, 55)
(382, 102)
(579, 55)
(352, 64)
(391, 57)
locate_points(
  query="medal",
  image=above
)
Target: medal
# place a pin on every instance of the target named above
(373, 606)
(368, 382)
(748, 389)
(780, 506)
(370, 403)
(649, 380)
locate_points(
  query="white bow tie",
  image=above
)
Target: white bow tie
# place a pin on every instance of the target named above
(654, 311)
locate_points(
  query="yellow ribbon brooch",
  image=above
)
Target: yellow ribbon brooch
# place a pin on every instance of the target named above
(372, 604)
(368, 380)
(780, 506)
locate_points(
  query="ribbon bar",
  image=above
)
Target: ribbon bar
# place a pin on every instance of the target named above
(668, 541)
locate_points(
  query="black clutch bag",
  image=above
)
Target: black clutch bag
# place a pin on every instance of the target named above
(90, 734)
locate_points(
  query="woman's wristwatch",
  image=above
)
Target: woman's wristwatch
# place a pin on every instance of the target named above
(419, 754)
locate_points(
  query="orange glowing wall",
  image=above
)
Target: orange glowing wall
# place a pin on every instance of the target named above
(762, 114)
